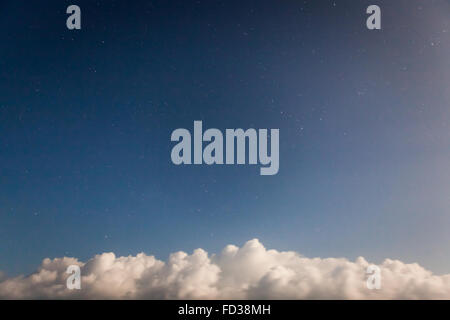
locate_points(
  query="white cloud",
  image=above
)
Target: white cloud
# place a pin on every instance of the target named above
(250, 272)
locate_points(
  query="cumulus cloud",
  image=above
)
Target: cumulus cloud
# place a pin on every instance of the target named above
(249, 272)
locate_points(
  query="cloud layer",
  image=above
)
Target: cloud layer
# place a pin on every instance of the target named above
(249, 272)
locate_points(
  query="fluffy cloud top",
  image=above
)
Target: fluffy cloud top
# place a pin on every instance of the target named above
(250, 272)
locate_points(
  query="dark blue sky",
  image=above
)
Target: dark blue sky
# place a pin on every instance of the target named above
(86, 118)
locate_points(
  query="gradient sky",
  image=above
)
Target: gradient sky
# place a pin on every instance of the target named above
(86, 118)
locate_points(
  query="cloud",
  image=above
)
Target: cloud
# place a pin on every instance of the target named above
(249, 272)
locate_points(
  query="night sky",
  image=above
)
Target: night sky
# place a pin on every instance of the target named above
(86, 117)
